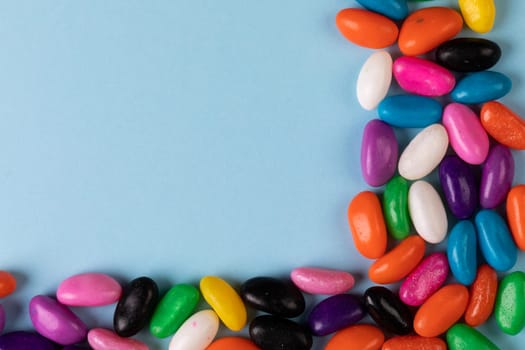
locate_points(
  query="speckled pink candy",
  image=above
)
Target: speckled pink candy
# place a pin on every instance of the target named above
(322, 281)
(89, 289)
(423, 77)
(104, 339)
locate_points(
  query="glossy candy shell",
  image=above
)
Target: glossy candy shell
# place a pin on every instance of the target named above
(503, 125)
(481, 87)
(496, 177)
(482, 296)
(479, 15)
(468, 54)
(463, 337)
(197, 332)
(104, 339)
(366, 28)
(21, 340)
(459, 186)
(394, 9)
(335, 313)
(374, 80)
(89, 289)
(410, 111)
(272, 332)
(462, 252)
(516, 214)
(357, 337)
(379, 152)
(232, 343)
(387, 310)
(7, 283)
(395, 207)
(422, 77)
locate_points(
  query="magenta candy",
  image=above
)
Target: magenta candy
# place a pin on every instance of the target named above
(423, 77)
(379, 151)
(496, 177)
(89, 289)
(104, 339)
(322, 281)
(424, 280)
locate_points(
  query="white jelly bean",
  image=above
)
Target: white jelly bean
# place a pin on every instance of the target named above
(374, 79)
(197, 332)
(427, 212)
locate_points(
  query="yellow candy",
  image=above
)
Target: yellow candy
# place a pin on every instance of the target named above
(225, 301)
(478, 14)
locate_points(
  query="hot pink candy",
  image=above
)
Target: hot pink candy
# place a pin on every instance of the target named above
(423, 77)
(104, 339)
(89, 289)
(322, 281)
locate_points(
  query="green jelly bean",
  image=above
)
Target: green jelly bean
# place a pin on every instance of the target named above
(510, 303)
(463, 337)
(395, 207)
(173, 309)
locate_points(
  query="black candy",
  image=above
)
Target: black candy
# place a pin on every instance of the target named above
(275, 333)
(272, 295)
(136, 306)
(468, 54)
(388, 311)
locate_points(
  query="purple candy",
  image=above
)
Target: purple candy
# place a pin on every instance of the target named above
(24, 341)
(379, 153)
(335, 313)
(459, 186)
(73, 347)
(496, 177)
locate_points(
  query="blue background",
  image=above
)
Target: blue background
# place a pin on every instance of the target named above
(177, 139)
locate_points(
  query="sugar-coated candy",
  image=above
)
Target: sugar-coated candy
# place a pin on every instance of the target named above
(104, 339)
(387, 310)
(397, 263)
(444, 308)
(315, 280)
(424, 280)
(422, 77)
(357, 337)
(366, 28)
(232, 343)
(427, 28)
(410, 111)
(479, 15)
(481, 87)
(496, 177)
(394, 9)
(197, 332)
(22, 340)
(374, 80)
(414, 342)
(495, 240)
(136, 306)
(459, 186)
(463, 337)
(462, 252)
(89, 289)
(482, 296)
(7, 283)
(516, 214)
(468, 54)
(395, 207)
(335, 313)
(509, 310)
(272, 295)
(503, 125)
(276, 333)
(379, 151)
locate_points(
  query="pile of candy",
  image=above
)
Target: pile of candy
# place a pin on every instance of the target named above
(425, 310)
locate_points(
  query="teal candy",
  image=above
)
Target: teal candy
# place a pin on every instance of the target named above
(410, 111)
(394, 9)
(462, 251)
(481, 87)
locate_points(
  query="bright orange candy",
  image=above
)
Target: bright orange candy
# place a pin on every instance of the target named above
(7, 283)
(414, 342)
(366, 28)
(357, 337)
(516, 214)
(503, 125)
(427, 28)
(482, 296)
(367, 225)
(398, 262)
(441, 310)
(232, 343)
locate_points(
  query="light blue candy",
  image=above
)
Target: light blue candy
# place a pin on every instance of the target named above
(410, 111)
(394, 9)
(495, 240)
(462, 252)
(481, 87)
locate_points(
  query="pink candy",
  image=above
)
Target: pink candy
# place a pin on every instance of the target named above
(89, 289)
(104, 339)
(322, 281)
(423, 77)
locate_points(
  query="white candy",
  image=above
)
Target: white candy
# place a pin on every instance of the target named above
(374, 79)
(424, 153)
(197, 332)
(427, 212)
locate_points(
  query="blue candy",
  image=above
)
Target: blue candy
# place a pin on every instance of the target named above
(410, 111)
(462, 252)
(481, 87)
(394, 9)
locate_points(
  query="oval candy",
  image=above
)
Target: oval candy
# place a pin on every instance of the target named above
(509, 310)
(104, 339)
(462, 252)
(272, 332)
(394, 9)
(516, 214)
(461, 337)
(366, 28)
(379, 153)
(468, 54)
(22, 340)
(459, 186)
(482, 296)
(232, 343)
(410, 111)
(335, 313)
(322, 281)
(374, 80)
(496, 177)
(356, 337)
(480, 87)
(7, 283)
(503, 125)
(388, 311)
(395, 207)
(197, 332)
(479, 15)
(414, 342)
(89, 289)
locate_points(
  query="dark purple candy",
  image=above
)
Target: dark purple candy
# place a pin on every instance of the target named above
(496, 177)
(388, 310)
(74, 347)
(459, 186)
(21, 340)
(335, 313)
(276, 333)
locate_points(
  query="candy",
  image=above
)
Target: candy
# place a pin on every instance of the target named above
(89, 289)
(510, 303)
(367, 225)
(366, 28)
(462, 251)
(481, 87)
(462, 337)
(425, 29)
(388, 311)
(7, 283)
(515, 214)
(468, 54)
(398, 262)
(104, 339)
(427, 212)
(423, 153)
(22, 340)
(394, 9)
(422, 77)
(441, 310)
(482, 296)
(232, 343)
(424, 280)
(356, 337)
(173, 309)
(322, 281)
(496, 177)
(374, 79)
(2, 318)
(395, 207)
(495, 240)
(197, 332)
(272, 295)
(272, 332)
(459, 186)
(466, 134)
(135, 307)
(503, 125)
(335, 313)
(379, 153)
(479, 15)
(410, 111)
(414, 342)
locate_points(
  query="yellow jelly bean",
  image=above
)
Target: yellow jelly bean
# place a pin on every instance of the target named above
(225, 301)
(478, 14)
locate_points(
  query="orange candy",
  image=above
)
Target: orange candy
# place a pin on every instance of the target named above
(503, 125)
(516, 214)
(482, 296)
(357, 337)
(7, 283)
(414, 342)
(366, 28)
(441, 310)
(427, 28)
(399, 262)
(232, 343)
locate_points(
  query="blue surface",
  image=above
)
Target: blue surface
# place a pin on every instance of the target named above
(184, 138)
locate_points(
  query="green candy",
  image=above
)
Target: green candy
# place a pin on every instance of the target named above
(510, 303)
(173, 309)
(463, 337)
(395, 207)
